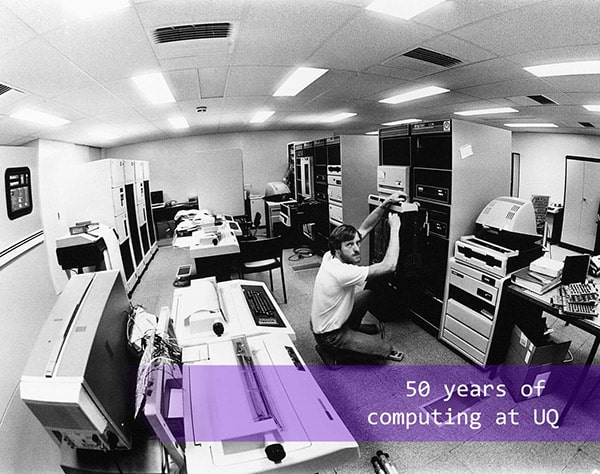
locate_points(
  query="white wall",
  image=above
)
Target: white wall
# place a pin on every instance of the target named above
(26, 298)
(172, 166)
(56, 162)
(543, 160)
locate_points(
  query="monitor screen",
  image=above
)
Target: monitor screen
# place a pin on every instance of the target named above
(156, 197)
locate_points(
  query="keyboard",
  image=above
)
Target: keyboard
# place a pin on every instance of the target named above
(579, 300)
(261, 307)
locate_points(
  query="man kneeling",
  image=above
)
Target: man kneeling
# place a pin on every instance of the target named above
(337, 309)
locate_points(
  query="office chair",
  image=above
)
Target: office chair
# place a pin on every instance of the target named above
(249, 228)
(260, 255)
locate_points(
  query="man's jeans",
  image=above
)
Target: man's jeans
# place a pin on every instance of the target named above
(349, 338)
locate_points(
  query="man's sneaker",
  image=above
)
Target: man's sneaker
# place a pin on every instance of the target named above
(396, 356)
(370, 329)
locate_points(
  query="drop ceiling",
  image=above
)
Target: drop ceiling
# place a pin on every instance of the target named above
(81, 69)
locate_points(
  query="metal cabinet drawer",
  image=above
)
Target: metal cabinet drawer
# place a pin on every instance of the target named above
(466, 333)
(462, 346)
(460, 279)
(472, 319)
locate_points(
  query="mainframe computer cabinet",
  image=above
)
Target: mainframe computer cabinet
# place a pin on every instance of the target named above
(457, 168)
(338, 172)
(97, 194)
(107, 191)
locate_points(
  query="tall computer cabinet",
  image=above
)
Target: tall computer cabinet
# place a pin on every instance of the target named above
(339, 173)
(107, 191)
(456, 169)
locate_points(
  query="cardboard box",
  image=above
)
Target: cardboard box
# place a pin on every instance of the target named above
(529, 361)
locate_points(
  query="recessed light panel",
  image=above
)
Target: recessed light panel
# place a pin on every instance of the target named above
(154, 87)
(401, 122)
(338, 117)
(299, 80)
(39, 117)
(592, 108)
(497, 110)
(416, 94)
(565, 69)
(405, 9)
(531, 125)
(179, 122)
(261, 116)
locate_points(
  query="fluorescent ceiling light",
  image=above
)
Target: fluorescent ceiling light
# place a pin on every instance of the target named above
(565, 69)
(404, 9)
(88, 8)
(261, 116)
(416, 94)
(300, 79)
(531, 125)
(374, 132)
(400, 122)
(154, 87)
(338, 117)
(178, 122)
(39, 117)
(497, 110)
(593, 108)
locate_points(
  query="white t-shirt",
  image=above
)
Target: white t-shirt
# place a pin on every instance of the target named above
(333, 294)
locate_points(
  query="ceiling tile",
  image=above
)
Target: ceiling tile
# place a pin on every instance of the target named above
(355, 47)
(110, 47)
(91, 101)
(184, 84)
(45, 71)
(515, 32)
(212, 81)
(292, 29)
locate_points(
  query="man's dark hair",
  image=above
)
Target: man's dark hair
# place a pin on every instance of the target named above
(340, 234)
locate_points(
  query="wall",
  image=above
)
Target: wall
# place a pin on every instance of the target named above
(543, 160)
(172, 166)
(26, 297)
(56, 162)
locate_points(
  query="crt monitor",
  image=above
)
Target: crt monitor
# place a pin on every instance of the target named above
(156, 197)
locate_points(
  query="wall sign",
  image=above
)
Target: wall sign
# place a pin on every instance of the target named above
(17, 182)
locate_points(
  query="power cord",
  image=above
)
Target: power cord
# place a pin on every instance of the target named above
(300, 253)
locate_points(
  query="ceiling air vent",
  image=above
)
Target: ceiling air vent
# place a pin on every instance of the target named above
(587, 124)
(171, 34)
(429, 56)
(542, 99)
(4, 89)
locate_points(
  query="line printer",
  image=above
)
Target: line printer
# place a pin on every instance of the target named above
(505, 238)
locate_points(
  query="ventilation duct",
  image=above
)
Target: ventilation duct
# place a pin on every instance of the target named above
(587, 124)
(432, 57)
(4, 89)
(542, 99)
(201, 31)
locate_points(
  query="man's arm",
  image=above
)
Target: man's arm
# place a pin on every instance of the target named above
(376, 214)
(388, 264)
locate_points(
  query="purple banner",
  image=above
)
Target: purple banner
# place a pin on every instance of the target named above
(388, 403)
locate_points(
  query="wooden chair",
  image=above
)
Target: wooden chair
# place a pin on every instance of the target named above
(262, 255)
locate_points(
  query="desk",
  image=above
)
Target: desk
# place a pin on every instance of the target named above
(215, 260)
(533, 305)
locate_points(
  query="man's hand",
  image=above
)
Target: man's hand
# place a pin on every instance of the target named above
(394, 222)
(397, 198)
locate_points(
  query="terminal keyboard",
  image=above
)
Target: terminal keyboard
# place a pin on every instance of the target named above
(261, 307)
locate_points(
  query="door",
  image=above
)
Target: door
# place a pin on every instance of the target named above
(590, 202)
(573, 199)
